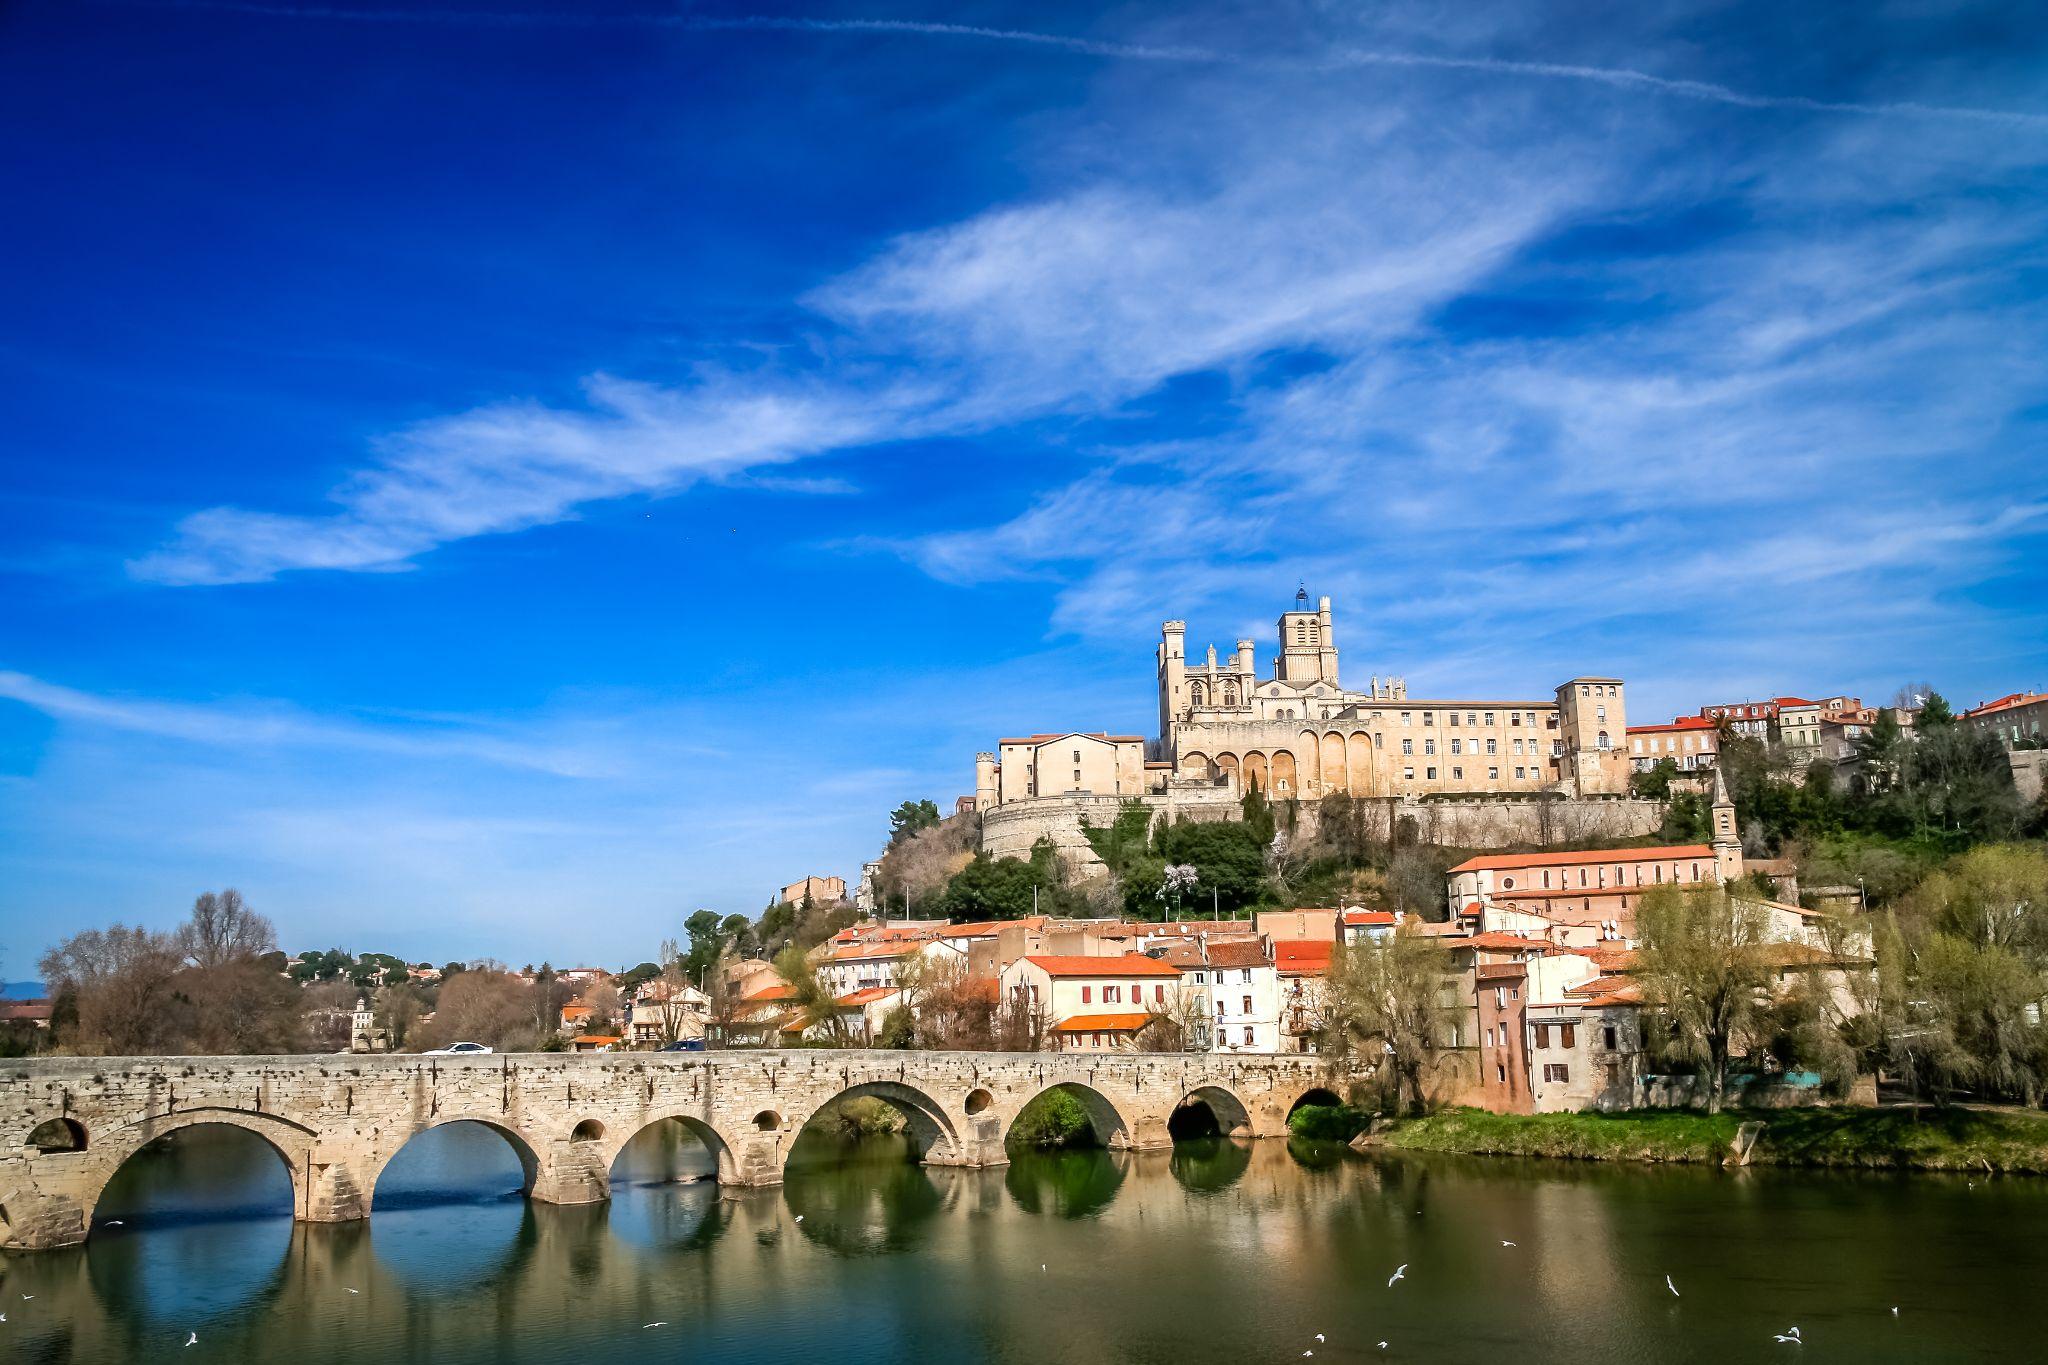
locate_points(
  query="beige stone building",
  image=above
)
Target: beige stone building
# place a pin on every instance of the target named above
(815, 889)
(1300, 733)
(1072, 764)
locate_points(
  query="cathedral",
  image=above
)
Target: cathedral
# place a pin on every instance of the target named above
(1299, 732)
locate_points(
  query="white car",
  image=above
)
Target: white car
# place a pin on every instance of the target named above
(458, 1050)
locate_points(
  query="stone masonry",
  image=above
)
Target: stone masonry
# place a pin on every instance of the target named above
(67, 1124)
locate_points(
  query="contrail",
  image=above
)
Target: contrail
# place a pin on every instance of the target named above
(1342, 59)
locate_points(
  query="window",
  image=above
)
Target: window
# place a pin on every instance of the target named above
(1432, 774)
(1607, 1037)
(1457, 772)
(1599, 713)
(1453, 721)
(1514, 717)
(1112, 995)
(1493, 774)
(1457, 746)
(1159, 992)
(1543, 1035)
(1137, 991)
(1571, 1034)
(1560, 1074)
(1405, 718)
(1429, 717)
(1084, 995)
(1508, 883)
(1503, 1074)
(1489, 717)
(1200, 979)
(1429, 746)
(1492, 747)
(1408, 748)
(1500, 997)
(1603, 740)
(1408, 774)
(1098, 1040)
(1518, 773)
(1247, 980)
(1247, 1036)
(1471, 717)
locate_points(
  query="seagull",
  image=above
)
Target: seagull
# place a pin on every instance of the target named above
(192, 1340)
(1670, 1286)
(1793, 1332)
(1506, 1243)
(799, 1218)
(1319, 1336)
(1307, 1353)
(352, 1291)
(26, 1297)
(645, 1325)
(113, 1222)
(1895, 1312)
(1397, 1274)
(1794, 1340)
(1383, 1346)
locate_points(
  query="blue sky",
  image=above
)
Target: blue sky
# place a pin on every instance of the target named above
(491, 480)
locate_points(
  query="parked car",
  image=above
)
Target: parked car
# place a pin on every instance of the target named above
(683, 1045)
(457, 1050)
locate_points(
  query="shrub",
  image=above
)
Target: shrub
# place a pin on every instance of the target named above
(1327, 1122)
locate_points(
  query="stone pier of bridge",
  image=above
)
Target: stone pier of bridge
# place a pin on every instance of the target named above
(67, 1124)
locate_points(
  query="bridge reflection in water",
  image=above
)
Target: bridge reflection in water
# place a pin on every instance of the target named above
(1219, 1250)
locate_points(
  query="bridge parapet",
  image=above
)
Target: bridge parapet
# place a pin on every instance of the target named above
(67, 1124)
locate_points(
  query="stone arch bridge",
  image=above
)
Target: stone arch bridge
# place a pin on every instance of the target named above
(67, 1124)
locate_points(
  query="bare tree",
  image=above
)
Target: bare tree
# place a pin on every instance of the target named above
(120, 980)
(224, 929)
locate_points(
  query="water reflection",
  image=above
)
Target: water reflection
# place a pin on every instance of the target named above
(861, 1198)
(1207, 1165)
(1077, 1183)
(193, 1227)
(448, 1210)
(1211, 1255)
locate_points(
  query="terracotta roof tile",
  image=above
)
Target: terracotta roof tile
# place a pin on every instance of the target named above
(1102, 1023)
(1592, 855)
(1128, 964)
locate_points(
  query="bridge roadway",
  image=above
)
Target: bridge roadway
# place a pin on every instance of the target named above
(68, 1123)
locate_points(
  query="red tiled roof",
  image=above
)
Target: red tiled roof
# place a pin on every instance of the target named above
(1509, 861)
(1503, 942)
(1102, 1023)
(1307, 957)
(1129, 964)
(595, 1038)
(1368, 917)
(1793, 701)
(2006, 703)
(1240, 952)
(1682, 723)
(867, 995)
(27, 1010)
(869, 952)
(781, 990)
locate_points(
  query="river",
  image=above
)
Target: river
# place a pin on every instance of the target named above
(1218, 1252)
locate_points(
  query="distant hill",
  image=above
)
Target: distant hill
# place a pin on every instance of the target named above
(21, 990)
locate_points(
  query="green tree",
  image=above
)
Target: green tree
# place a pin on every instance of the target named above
(810, 997)
(992, 888)
(1227, 855)
(1704, 973)
(1654, 784)
(910, 817)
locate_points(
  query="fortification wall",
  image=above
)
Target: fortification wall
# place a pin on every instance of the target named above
(1500, 822)
(1010, 830)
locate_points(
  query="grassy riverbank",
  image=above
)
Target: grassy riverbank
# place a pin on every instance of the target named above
(1872, 1139)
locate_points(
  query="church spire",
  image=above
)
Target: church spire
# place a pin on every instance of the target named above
(1727, 842)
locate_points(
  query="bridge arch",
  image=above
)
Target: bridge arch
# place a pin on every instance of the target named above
(1108, 1123)
(721, 1147)
(933, 1136)
(533, 1165)
(99, 1163)
(1232, 1115)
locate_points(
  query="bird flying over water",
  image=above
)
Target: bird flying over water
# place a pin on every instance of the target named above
(1794, 1340)
(1397, 1274)
(799, 1218)
(1670, 1286)
(1895, 1311)
(645, 1325)
(192, 1340)
(1506, 1243)
(1319, 1336)
(352, 1291)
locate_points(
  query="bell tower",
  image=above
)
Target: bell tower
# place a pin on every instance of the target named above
(1727, 841)
(1307, 651)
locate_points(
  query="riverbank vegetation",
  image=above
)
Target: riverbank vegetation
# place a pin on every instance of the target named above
(1327, 1122)
(1893, 1138)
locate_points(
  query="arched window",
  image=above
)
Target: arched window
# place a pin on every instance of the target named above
(1603, 739)
(1200, 694)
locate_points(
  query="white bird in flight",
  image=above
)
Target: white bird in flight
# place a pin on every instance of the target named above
(113, 1222)
(1895, 1312)
(192, 1340)
(1397, 1274)
(1506, 1243)
(645, 1325)
(352, 1291)
(1319, 1336)
(1794, 1340)
(1670, 1286)
(1383, 1346)
(799, 1218)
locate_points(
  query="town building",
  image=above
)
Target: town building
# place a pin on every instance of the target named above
(1094, 1004)
(1244, 992)
(813, 890)
(2016, 718)
(1690, 742)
